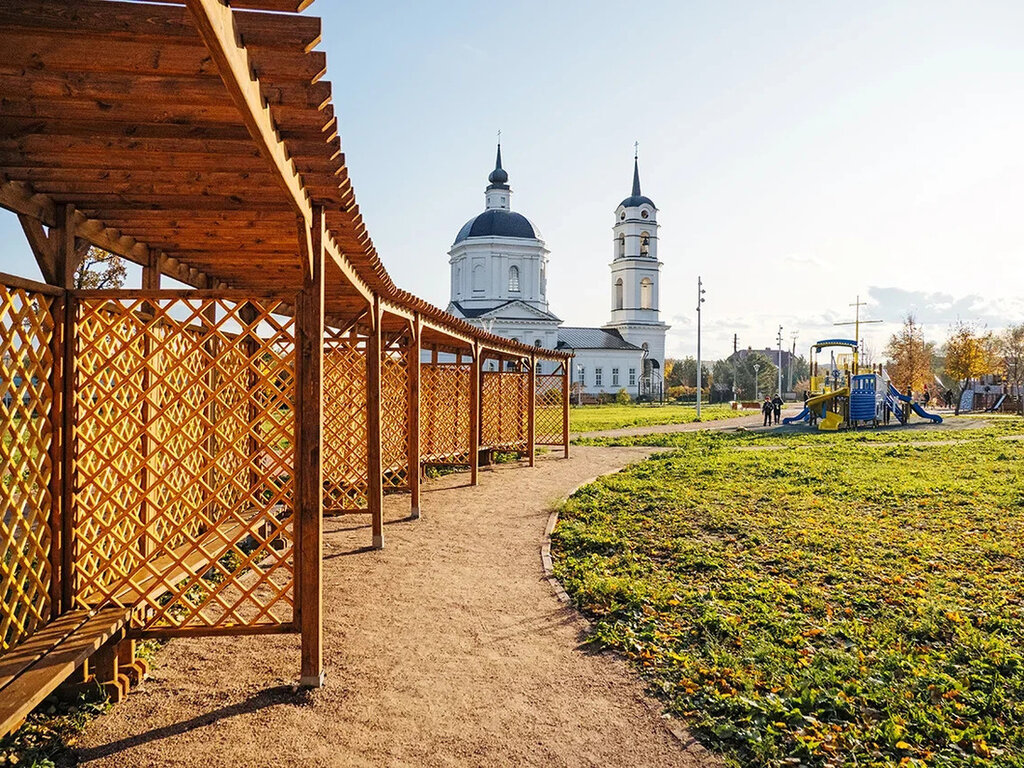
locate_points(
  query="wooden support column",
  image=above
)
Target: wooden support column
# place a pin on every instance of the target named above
(413, 461)
(66, 262)
(474, 415)
(565, 408)
(531, 412)
(374, 474)
(150, 282)
(309, 496)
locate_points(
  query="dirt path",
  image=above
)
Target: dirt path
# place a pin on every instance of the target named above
(447, 648)
(742, 419)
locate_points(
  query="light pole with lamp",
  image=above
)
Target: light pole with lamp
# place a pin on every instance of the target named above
(700, 300)
(757, 382)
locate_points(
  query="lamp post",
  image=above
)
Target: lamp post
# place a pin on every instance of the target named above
(700, 300)
(779, 339)
(757, 382)
(792, 354)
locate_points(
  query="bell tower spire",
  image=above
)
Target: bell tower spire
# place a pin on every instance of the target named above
(498, 194)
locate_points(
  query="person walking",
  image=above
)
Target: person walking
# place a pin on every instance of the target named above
(948, 398)
(927, 396)
(777, 407)
(767, 409)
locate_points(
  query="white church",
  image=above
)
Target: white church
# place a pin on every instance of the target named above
(499, 282)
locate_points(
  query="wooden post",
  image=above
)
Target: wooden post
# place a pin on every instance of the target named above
(309, 472)
(565, 407)
(413, 461)
(474, 416)
(67, 263)
(531, 412)
(374, 469)
(60, 327)
(150, 282)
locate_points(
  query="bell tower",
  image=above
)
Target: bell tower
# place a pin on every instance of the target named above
(636, 274)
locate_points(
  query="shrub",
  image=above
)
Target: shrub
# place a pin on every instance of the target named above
(623, 398)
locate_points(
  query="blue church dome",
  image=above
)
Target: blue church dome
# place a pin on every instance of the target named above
(499, 223)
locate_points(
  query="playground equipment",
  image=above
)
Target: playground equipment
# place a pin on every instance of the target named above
(844, 395)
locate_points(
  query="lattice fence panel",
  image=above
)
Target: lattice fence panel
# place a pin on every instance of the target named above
(395, 413)
(503, 409)
(184, 445)
(344, 412)
(444, 413)
(549, 410)
(26, 434)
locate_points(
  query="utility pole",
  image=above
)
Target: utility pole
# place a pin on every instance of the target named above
(780, 360)
(700, 300)
(792, 355)
(857, 323)
(735, 363)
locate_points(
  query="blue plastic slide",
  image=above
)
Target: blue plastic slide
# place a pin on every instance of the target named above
(804, 415)
(997, 405)
(895, 393)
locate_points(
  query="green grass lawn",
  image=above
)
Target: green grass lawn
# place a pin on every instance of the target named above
(840, 604)
(592, 418)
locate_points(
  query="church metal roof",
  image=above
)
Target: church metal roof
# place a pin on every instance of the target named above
(592, 338)
(475, 312)
(499, 223)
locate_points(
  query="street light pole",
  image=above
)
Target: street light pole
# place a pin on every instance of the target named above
(792, 354)
(700, 300)
(780, 360)
(757, 382)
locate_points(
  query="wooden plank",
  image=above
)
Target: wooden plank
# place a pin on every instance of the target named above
(413, 469)
(216, 25)
(565, 408)
(42, 247)
(309, 329)
(139, 21)
(34, 684)
(16, 660)
(375, 477)
(13, 281)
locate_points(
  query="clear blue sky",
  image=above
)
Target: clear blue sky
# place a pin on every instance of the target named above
(800, 153)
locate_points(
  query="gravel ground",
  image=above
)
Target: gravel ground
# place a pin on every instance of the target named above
(446, 648)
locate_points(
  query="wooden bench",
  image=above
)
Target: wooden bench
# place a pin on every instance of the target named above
(33, 670)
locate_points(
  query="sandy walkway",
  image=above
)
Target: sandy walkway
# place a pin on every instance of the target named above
(446, 648)
(742, 419)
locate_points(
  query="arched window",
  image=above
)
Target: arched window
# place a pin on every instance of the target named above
(622, 246)
(538, 343)
(646, 294)
(478, 277)
(513, 279)
(645, 244)
(618, 293)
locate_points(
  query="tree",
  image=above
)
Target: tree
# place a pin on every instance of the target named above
(723, 374)
(767, 375)
(910, 357)
(1012, 349)
(969, 355)
(100, 270)
(670, 365)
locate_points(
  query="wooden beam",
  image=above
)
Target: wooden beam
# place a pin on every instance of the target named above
(565, 408)
(66, 263)
(218, 30)
(413, 363)
(309, 324)
(42, 247)
(374, 469)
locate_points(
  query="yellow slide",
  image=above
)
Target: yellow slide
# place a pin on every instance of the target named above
(832, 420)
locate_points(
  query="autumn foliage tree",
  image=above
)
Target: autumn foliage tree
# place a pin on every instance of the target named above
(100, 270)
(970, 354)
(910, 357)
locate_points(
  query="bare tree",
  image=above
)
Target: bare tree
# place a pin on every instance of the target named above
(100, 270)
(1012, 348)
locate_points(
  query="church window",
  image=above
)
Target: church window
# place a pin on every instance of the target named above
(618, 293)
(598, 375)
(645, 244)
(478, 278)
(632, 377)
(538, 343)
(615, 377)
(645, 214)
(622, 246)
(513, 279)
(543, 279)
(583, 375)
(646, 294)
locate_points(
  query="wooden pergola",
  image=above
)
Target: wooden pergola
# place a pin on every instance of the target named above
(167, 454)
